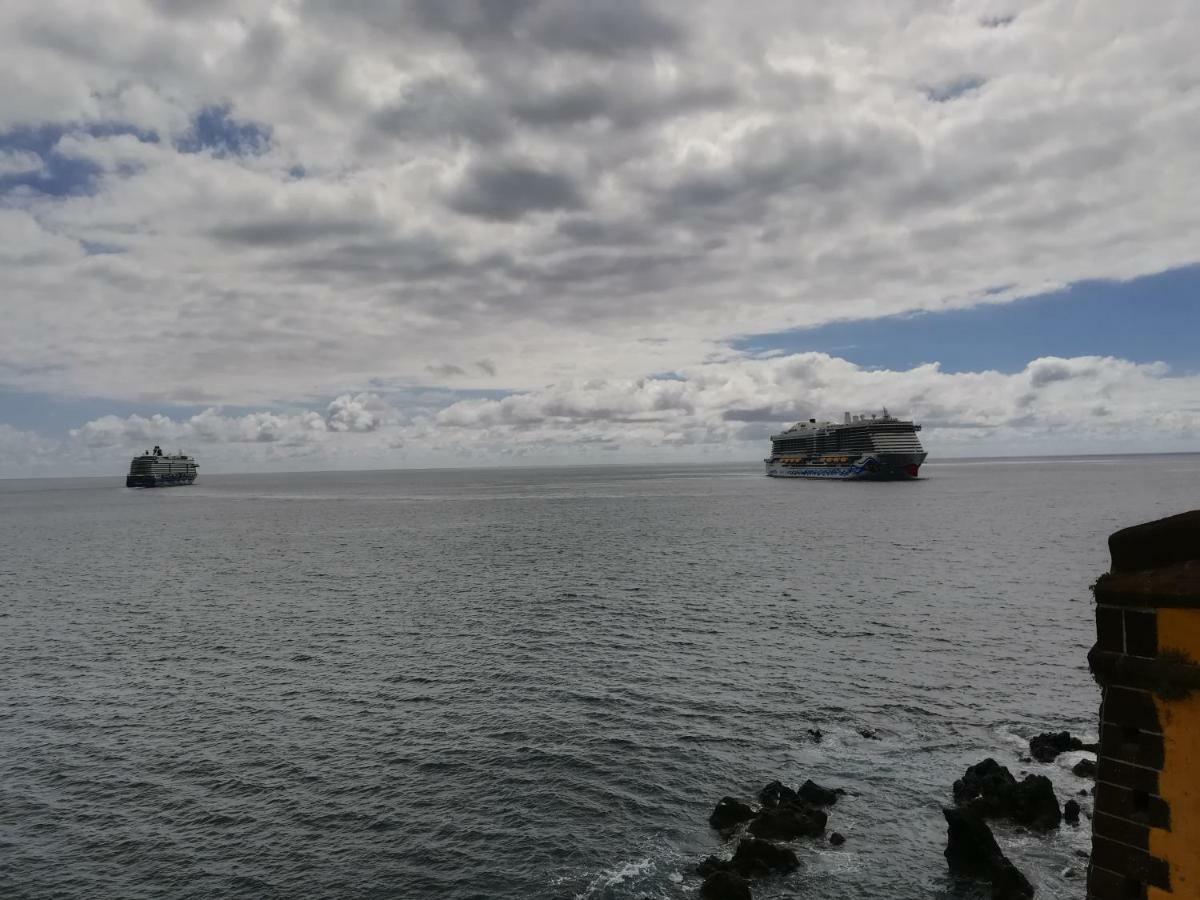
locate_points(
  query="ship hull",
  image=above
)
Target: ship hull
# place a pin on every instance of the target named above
(165, 480)
(873, 467)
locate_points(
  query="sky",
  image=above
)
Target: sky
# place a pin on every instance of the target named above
(301, 234)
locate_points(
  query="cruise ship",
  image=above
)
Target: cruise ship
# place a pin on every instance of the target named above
(154, 469)
(872, 448)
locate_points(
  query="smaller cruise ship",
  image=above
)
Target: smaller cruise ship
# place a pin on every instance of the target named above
(156, 469)
(872, 448)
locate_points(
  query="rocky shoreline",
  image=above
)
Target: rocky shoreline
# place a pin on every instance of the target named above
(987, 791)
(783, 814)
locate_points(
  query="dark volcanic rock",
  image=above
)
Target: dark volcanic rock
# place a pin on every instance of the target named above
(1071, 812)
(989, 789)
(754, 858)
(1032, 802)
(725, 886)
(1085, 768)
(786, 823)
(970, 847)
(817, 795)
(1046, 747)
(972, 850)
(776, 794)
(988, 782)
(730, 813)
(1008, 883)
(837, 839)
(712, 864)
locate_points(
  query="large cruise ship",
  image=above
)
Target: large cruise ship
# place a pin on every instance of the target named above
(154, 469)
(875, 447)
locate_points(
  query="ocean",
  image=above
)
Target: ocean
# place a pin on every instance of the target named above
(537, 683)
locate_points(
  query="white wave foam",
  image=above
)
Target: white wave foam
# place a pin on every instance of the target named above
(616, 875)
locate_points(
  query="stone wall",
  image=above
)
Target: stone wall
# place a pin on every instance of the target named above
(1146, 828)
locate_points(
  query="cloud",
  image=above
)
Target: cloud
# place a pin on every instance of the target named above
(955, 88)
(301, 200)
(19, 162)
(615, 28)
(507, 192)
(27, 453)
(361, 412)
(725, 409)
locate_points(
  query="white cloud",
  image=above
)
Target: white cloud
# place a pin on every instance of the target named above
(19, 162)
(719, 410)
(563, 192)
(362, 412)
(28, 453)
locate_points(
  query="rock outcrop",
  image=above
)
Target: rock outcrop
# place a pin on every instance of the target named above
(756, 858)
(784, 815)
(724, 886)
(776, 794)
(971, 850)
(1047, 746)
(990, 790)
(817, 795)
(1071, 812)
(729, 813)
(788, 822)
(1085, 768)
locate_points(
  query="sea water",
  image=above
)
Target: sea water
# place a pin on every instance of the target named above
(536, 683)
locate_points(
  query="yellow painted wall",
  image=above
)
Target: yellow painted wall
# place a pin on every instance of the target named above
(1179, 783)
(1179, 630)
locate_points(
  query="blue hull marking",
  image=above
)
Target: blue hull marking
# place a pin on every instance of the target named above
(822, 472)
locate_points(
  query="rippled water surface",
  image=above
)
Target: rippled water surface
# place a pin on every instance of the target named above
(536, 683)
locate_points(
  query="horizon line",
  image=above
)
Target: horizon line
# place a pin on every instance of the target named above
(618, 465)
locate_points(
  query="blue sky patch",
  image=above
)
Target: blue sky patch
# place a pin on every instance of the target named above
(1150, 319)
(216, 130)
(60, 175)
(952, 90)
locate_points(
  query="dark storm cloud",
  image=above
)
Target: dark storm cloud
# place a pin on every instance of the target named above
(505, 193)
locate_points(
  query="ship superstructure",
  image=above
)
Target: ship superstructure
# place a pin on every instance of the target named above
(874, 447)
(156, 469)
